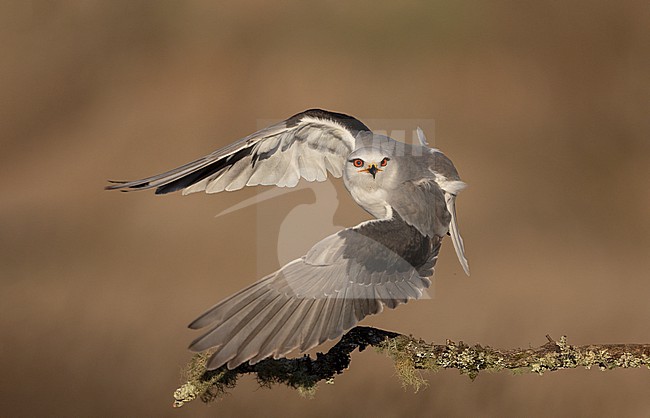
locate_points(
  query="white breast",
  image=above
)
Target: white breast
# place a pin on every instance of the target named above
(373, 200)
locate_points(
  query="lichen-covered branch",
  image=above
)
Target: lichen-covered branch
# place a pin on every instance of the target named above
(410, 355)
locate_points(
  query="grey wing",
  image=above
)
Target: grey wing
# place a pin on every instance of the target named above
(429, 204)
(318, 297)
(447, 178)
(307, 145)
(454, 232)
(421, 203)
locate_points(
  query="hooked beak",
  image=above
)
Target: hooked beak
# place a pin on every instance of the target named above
(372, 169)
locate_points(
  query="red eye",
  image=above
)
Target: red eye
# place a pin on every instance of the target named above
(384, 162)
(357, 162)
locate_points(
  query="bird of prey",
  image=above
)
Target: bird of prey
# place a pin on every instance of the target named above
(410, 190)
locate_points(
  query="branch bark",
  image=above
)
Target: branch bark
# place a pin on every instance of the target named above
(409, 355)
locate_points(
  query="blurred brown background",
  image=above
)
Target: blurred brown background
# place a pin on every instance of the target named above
(543, 106)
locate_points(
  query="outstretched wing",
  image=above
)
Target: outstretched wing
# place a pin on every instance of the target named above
(307, 145)
(342, 279)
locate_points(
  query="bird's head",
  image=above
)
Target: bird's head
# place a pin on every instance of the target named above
(368, 166)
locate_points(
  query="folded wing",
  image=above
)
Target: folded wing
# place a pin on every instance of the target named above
(454, 232)
(421, 203)
(431, 209)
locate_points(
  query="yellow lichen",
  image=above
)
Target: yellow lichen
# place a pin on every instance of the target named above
(401, 350)
(410, 356)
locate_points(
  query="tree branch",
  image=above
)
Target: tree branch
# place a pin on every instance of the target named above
(410, 355)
